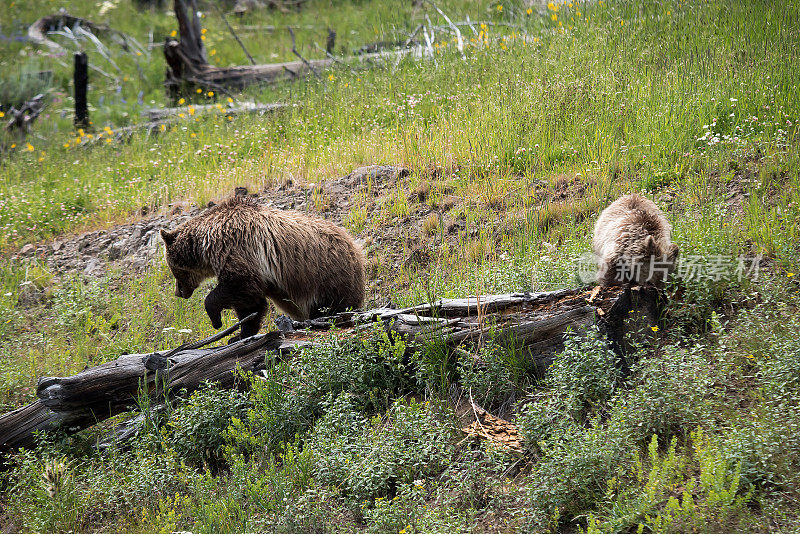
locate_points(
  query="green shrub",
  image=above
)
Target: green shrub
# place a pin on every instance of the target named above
(672, 394)
(585, 375)
(198, 427)
(373, 370)
(580, 382)
(692, 490)
(366, 459)
(486, 376)
(274, 415)
(572, 475)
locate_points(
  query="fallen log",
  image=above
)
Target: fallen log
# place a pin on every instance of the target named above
(37, 32)
(21, 119)
(188, 68)
(533, 322)
(244, 107)
(57, 22)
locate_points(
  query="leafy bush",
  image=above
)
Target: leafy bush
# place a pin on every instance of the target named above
(486, 376)
(692, 490)
(372, 370)
(572, 475)
(768, 445)
(371, 458)
(198, 427)
(768, 448)
(585, 375)
(672, 394)
(581, 381)
(273, 416)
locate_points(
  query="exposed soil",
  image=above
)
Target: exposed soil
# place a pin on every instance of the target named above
(133, 247)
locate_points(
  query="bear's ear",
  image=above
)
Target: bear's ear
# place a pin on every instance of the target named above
(674, 252)
(649, 245)
(168, 237)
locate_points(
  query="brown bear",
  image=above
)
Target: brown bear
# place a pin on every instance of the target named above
(632, 243)
(307, 266)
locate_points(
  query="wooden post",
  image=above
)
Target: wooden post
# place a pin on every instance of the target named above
(81, 80)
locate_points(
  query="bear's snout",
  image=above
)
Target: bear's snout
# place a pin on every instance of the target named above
(183, 292)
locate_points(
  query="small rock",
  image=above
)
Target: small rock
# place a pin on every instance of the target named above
(93, 268)
(27, 250)
(116, 250)
(57, 245)
(284, 323)
(29, 295)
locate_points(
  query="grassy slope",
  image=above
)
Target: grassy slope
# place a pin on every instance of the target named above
(524, 140)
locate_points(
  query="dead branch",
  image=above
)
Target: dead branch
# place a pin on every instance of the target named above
(241, 44)
(21, 119)
(460, 41)
(295, 52)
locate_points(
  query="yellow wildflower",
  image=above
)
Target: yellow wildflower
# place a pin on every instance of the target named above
(29, 147)
(211, 93)
(181, 101)
(212, 52)
(500, 9)
(174, 33)
(654, 328)
(230, 100)
(331, 77)
(529, 11)
(203, 31)
(2, 114)
(554, 17)
(199, 91)
(191, 110)
(790, 275)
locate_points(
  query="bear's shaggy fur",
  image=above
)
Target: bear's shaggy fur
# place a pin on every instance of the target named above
(632, 243)
(308, 267)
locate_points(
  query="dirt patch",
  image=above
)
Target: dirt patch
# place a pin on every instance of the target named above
(133, 247)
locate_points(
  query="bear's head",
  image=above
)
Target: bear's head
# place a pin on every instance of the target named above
(183, 262)
(659, 260)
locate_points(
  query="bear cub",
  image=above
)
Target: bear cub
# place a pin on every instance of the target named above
(308, 267)
(632, 243)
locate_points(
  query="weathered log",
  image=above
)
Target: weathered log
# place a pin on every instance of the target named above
(37, 32)
(244, 107)
(77, 402)
(187, 67)
(533, 322)
(21, 120)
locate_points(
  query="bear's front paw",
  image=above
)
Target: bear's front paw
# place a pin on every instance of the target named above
(216, 322)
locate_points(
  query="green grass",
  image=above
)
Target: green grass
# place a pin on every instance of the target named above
(517, 147)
